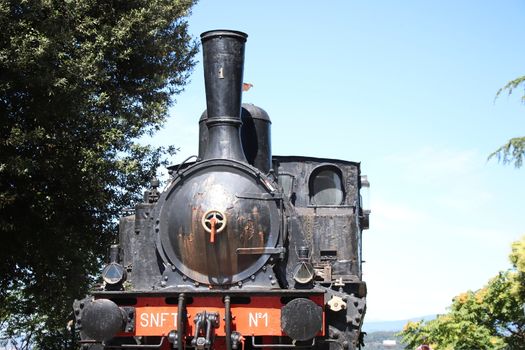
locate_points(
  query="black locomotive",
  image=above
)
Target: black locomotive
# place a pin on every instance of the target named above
(243, 249)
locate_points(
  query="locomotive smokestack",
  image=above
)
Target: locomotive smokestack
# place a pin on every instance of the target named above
(223, 52)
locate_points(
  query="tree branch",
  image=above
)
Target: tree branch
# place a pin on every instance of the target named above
(512, 151)
(511, 85)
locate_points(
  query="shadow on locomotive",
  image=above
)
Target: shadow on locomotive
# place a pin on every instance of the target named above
(243, 249)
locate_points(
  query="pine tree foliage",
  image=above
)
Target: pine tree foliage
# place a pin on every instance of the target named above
(514, 150)
(511, 85)
(511, 152)
(80, 82)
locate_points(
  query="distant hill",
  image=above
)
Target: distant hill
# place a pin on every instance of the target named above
(379, 331)
(392, 326)
(374, 341)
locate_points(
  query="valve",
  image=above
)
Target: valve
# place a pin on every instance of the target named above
(213, 221)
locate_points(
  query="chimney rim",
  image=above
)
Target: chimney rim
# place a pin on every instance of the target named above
(224, 32)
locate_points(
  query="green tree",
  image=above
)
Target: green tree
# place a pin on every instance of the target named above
(489, 318)
(80, 82)
(514, 150)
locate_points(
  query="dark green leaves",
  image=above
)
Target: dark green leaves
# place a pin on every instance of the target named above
(80, 81)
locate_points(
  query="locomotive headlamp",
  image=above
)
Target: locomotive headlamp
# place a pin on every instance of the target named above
(303, 271)
(113, 273)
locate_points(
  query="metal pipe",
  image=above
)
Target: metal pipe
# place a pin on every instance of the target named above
(281, 345)
(227, 322)
(181, 315)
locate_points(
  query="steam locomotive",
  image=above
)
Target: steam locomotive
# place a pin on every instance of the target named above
(243, 249)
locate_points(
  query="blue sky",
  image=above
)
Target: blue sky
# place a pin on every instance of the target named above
(407, 88)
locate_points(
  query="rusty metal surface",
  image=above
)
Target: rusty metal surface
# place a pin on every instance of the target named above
(331, 230)
(252, 223)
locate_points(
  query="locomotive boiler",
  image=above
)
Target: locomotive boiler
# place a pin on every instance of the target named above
(243, 249)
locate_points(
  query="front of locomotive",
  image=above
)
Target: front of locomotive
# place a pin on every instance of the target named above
(218, 214)
(221, 232)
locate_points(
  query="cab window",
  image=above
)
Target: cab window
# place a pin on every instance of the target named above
(326, 186)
